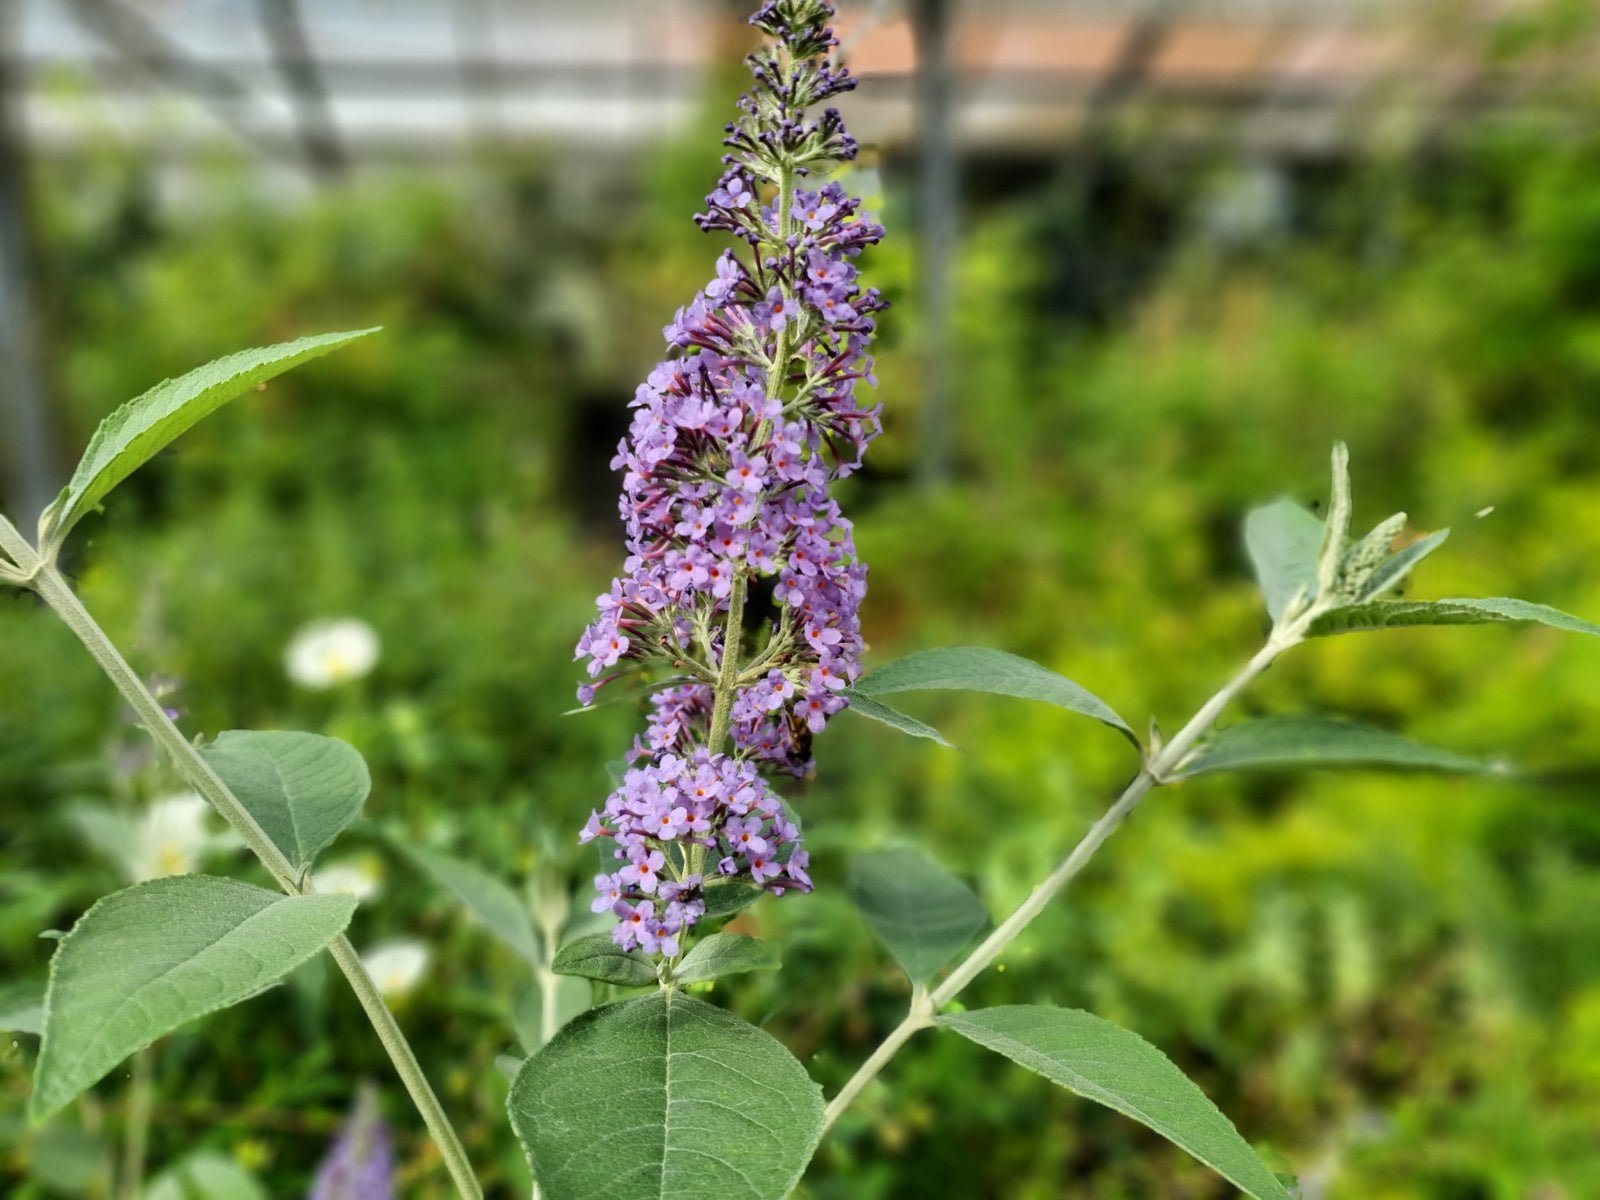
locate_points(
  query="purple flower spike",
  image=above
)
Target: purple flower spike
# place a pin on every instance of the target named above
(736, 439)
(361, 1164)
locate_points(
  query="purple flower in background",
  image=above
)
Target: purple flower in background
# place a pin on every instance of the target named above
(736, 439)
(361, 1164)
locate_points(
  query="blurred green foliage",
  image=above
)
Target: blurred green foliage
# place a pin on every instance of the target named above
(1391, 982)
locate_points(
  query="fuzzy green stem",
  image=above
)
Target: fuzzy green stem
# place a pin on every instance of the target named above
(785, 215)
(728, 676)
(919, 1018)
(549, 981)
(51, 587)
(407, 1067)
(780, 248)
(1158, 770)
(101, 1185)
(733, 630)
(136, 1131)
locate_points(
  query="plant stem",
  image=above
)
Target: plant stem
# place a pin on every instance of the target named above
(136, 1132)
(548, 981)
(1153, 775)
(102, 1185)
(781, 250)
(407, 1067)
(728, 676)
(47, 581)
(733, 631)
(919, 1018)
(549, 939)
(1157, 771)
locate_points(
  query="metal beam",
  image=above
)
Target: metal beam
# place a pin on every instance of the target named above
(479, 68)
(291, 53)
(140, 43)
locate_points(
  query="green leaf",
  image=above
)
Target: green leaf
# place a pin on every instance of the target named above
(1362, 560)
(725, 899)
(141, 428)
(708, 1106)
(303, 789)
(1395, 568)
(598, 957)
(1279, 742)
(866, 706)
(920, 911)
(1479, 610)
(573, 997)
(1336, 531)
(725, 954)
(1115, 1067)
(1283, 540)
(493, 902)
(147, 959)
(979, 669)
(206, 1176)
(22, 1008)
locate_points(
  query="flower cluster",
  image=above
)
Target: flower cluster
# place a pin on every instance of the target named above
(678, 821)
(742, 580)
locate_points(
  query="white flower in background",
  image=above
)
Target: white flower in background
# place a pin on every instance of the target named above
(169, 838)
(396, 967)
(358, 877)
(324, 654)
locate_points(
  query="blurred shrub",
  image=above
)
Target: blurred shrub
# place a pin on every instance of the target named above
(1396, 981)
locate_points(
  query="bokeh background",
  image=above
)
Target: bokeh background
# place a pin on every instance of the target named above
(1147, 262)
